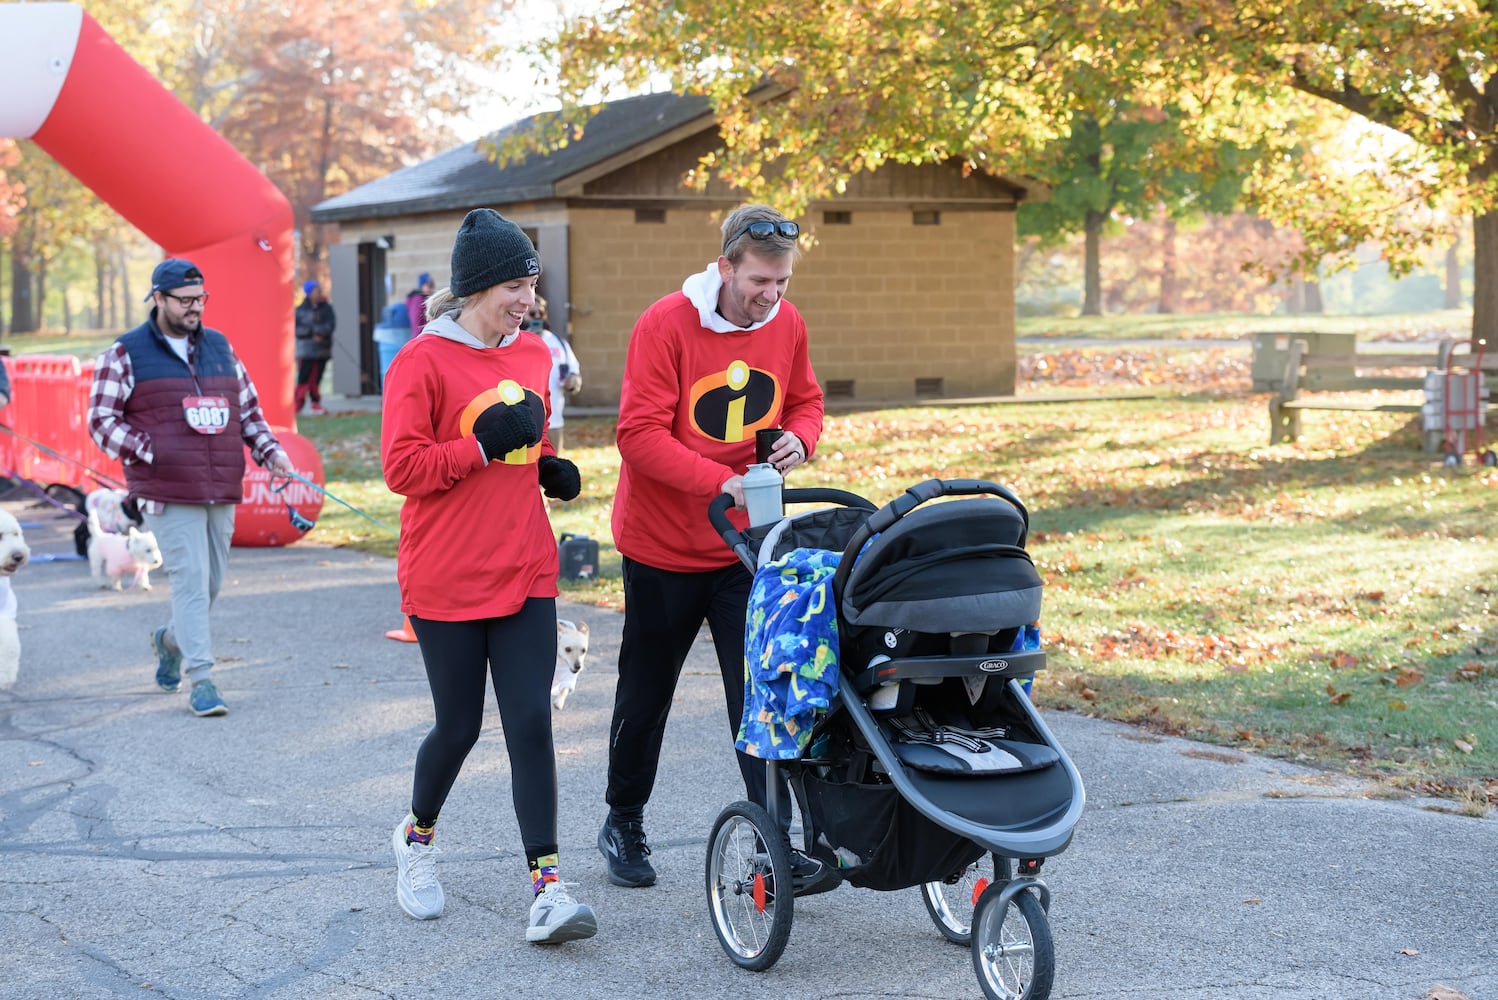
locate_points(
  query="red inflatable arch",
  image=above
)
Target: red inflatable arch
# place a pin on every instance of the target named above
(67, 85)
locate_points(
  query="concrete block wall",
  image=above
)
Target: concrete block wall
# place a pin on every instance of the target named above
(887, 301)
(945, 312)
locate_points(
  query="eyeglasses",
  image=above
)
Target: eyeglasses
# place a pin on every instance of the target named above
(188, 301)
(763, 230)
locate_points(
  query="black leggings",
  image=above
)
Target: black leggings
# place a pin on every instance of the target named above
(663, 612)
(519, 653)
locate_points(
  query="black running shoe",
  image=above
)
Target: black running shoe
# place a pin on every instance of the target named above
(627, 854)
(810, 876)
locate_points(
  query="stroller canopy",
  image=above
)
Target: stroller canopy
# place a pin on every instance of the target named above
(957, 566)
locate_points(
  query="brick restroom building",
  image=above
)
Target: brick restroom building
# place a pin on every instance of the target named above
(907, 285)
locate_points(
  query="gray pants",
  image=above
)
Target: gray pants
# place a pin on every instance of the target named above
(194, 541)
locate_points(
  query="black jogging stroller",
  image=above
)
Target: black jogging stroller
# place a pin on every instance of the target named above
(931, 768)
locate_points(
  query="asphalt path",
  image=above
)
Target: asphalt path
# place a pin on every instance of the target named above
(144, 851)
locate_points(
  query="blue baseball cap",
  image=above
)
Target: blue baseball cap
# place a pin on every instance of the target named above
(174, 272)
(307, 288)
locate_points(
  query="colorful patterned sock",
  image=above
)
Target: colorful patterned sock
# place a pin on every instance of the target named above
(543, 870)
(418, 832)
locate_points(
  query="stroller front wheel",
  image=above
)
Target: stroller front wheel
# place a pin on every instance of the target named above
(747, 861)
(1012, 950)
(951, 902)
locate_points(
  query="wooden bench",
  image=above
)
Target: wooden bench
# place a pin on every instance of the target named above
(1338, 373)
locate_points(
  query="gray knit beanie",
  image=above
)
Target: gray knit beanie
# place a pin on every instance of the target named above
(490, 250)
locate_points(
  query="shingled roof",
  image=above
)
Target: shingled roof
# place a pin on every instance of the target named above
(464, 176)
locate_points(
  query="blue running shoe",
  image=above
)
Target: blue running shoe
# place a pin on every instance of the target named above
(168, 663)
(203, 699)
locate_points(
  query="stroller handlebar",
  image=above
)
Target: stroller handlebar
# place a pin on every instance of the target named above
(933, 488)
(717, 514)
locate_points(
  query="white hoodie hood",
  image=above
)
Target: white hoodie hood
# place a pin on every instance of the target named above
(446, 326)
(702, 288)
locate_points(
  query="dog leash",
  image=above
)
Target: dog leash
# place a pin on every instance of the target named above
(32, 487)
(372, 520)
(101, 478)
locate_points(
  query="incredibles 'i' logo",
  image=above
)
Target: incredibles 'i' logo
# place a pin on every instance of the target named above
(732, 404)
(486, 407)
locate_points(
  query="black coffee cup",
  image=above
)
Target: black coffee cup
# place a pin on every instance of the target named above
(764, 443)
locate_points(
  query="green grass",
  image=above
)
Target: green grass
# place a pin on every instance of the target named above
(1332, 601)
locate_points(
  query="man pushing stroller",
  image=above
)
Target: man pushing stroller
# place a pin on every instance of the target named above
(707, 367)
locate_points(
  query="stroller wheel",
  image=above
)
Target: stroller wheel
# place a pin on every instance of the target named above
(746, 860)
(951, 902)
(1490, 458)
(1011, 945)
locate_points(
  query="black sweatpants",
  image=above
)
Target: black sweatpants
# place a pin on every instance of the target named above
(519, 653)
(663, 611)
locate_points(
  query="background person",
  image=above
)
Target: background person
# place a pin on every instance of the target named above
(566, 373)
(706, 367)
(314, 344)
(416, 302)
(173, 403)
(462, 442)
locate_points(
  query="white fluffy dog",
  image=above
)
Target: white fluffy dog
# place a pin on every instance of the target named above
(572, 651)
(111, 556)
(13, 555)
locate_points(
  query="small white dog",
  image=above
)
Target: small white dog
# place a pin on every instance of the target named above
(13, 555)
(572, 651)
(111, 556)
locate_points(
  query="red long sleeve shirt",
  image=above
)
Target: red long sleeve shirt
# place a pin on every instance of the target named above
(475, 539)
(689, 405)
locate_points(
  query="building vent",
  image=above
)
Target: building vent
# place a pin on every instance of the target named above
(837, 218)
(931, 218)
(650, 216)
(927, 388)
(840, 388)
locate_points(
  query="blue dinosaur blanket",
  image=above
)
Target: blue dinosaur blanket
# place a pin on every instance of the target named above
(790, 653)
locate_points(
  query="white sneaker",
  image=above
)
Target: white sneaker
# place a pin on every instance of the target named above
(557, 917)
(416, 885)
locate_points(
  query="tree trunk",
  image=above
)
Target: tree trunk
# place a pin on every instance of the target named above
(1170, 285)
(40, 304)
(1312, 301)
(67, 312)
(22, 312)
(1454, 274)
(119, 317)
(101, 285)
(1485, 277)
(1092, 276)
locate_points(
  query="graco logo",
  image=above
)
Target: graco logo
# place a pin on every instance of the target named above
(993, 666)
(890, 639)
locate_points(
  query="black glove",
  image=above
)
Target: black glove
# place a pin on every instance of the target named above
(503, 428)
(559, 478)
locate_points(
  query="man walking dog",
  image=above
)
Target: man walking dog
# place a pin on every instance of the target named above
(174, 404)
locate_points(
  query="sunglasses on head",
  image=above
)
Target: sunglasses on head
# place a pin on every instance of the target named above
(763, 230)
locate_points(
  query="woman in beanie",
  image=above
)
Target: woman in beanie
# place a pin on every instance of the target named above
(463, 441)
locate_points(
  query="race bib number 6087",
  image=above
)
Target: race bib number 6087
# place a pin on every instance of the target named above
(207, 414)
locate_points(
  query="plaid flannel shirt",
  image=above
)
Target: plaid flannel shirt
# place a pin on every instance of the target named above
(114, 381)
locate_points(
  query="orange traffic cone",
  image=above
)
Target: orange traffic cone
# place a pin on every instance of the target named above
(404, 633)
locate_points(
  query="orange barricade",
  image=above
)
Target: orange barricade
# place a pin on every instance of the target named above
(49, 405)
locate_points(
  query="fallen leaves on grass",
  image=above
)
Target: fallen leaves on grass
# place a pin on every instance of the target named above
(1336, 697)
(1408, 676)
(1139, 641)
